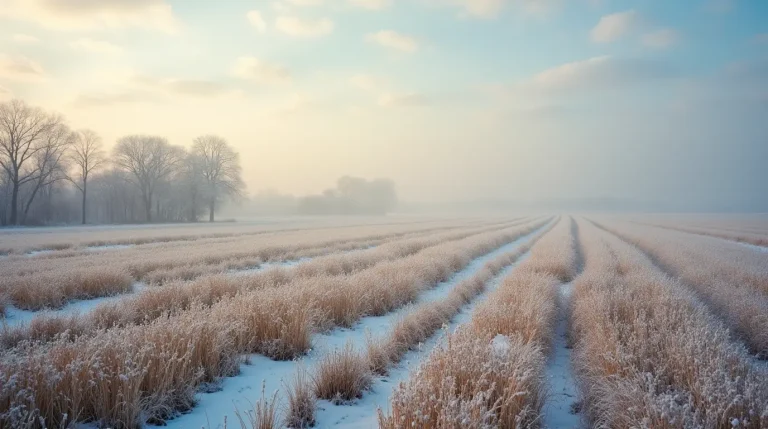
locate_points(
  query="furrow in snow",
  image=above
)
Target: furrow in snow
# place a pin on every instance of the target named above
(561, 408)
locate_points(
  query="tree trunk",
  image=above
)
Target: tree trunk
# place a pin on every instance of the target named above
(31, 199)
(15, 204)
(212, 207)
(85, 189)
(148, 207)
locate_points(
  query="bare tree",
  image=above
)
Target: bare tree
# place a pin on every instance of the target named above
(86, 156)
(23, 136)
(192, 186)
(149, 160)
(220, 168)
(49, 161)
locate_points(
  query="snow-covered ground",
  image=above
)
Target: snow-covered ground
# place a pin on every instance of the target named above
(109, 247)
(558, 410)
(755, 247)
(243, 391)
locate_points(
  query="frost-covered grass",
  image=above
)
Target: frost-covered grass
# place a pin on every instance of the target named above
(124, 375)
(730, 279)
(4, 303)
(156, 301)
(241, 390)
(491, 372)
(649, 354)
(55, 289)
(408, 331)
(19, 241)
(756, 237)
(49, 281)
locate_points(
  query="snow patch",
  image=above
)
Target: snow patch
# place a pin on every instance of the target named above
(108, 247)
(563, 395)
(501, 345)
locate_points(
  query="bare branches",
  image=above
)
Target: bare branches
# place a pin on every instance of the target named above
(220, 168)
(149, 160)
(30, 142)
(86, 155)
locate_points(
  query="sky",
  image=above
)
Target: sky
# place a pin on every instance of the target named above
(455, 100)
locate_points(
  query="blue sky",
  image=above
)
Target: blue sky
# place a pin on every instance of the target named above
(646, 100)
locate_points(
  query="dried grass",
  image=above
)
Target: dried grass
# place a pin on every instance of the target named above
(649, 354)
(124, 375)
(470, 383)
(731, 280)
(301, 400)
(491, 372)
(53, 290)
(52, 280)
(154, 302)
(263, 416)
(758, 237)
(342, 376)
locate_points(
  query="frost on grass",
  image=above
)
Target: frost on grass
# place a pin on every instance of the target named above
(649, 354)
(471, 382)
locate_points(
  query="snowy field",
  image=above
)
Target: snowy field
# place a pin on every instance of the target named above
(537, 321)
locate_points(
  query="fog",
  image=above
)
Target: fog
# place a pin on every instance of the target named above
(461, 106)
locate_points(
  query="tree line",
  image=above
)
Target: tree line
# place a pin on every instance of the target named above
(52, 174)
(352, 196)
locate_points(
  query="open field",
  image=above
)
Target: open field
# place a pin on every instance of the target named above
(515, 322)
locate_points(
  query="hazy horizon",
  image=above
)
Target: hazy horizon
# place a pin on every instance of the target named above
(657, 103)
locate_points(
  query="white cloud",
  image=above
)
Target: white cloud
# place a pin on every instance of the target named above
(297, 27)
(257, 21)
(662, 38)
(596, 73)
(371, 4)
(92, 14)
(85, 44)
(21, 69)
(615, 26)
(24, 39)
(393, 40)
(251, 68)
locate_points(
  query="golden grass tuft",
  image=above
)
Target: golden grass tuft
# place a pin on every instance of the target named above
(301, 401)
(471, 382)
(263, 416)
(342, 376)
(54, 290)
